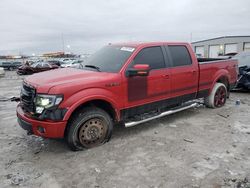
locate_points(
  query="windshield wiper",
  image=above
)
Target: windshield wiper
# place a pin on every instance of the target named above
(94, 67)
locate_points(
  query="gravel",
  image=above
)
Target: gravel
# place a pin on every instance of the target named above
(195, 148)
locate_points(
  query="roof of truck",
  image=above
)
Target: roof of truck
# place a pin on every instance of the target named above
(137, 44)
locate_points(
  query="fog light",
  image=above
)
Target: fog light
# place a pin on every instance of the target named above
(39, 109)
(41, 129)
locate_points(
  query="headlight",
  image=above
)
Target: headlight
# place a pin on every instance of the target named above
(46, 101)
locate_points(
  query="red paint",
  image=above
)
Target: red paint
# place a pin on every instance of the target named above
(79, 86)
(141, 67)
(220, 97)
(53, 129)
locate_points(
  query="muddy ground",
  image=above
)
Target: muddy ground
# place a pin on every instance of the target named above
(195, 148)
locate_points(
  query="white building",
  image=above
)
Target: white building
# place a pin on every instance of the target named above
(215, 47)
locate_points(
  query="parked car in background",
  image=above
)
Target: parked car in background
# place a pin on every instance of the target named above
(2, 72)
(68, 59)
(36, 67)
(55, 62)
(10, 65)
(244, 70)
(72, 64)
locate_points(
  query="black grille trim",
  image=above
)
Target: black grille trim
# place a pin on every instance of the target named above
(27, 97)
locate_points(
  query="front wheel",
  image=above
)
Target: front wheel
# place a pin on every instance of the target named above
(89, 128)
(217, 97)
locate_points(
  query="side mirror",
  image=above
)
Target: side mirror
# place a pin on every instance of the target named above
(138, 70)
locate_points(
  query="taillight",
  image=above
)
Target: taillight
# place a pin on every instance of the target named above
(237, 69)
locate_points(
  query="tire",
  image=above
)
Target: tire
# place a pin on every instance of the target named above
(85, 128)
(217, 97)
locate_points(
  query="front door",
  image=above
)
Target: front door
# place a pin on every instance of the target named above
(155, 87)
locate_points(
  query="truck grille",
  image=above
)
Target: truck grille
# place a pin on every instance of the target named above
(27, 97)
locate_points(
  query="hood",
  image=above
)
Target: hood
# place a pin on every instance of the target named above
(44, 81)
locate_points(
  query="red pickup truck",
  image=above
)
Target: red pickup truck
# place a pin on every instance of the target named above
(130, 83)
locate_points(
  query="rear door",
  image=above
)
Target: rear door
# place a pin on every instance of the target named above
(184, 74)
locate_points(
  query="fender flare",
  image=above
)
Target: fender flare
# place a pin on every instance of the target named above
(220, 74)
(87, 95)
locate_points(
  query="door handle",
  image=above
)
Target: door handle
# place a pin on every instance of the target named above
(166, 76)
(193, 72)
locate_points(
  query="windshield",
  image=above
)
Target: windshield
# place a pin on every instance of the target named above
(109, 58)
(243, 59)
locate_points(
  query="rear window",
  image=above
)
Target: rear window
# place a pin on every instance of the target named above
(45, 65)
(180, 56)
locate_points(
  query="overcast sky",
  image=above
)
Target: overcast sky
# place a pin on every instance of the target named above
(38, 26)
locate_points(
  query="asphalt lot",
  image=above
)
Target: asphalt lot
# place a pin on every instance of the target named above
(195, 148)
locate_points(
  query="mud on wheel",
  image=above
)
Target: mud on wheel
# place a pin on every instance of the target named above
(89, 128)
(217, 97)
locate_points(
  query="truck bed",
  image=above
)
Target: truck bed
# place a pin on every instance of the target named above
(210, 66)
(205, 60)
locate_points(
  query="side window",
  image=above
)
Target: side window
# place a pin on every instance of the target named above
(180, 56)
(39, 66)
(152, 56)
(45, 65)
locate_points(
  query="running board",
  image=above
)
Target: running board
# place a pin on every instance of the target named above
(133, 123)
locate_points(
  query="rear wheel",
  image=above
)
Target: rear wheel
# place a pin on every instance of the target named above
(89, 128)
(217, 97)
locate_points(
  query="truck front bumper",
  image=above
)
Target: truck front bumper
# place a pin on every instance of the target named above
(47, 129)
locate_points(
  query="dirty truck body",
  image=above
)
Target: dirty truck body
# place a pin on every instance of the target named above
(128, 83)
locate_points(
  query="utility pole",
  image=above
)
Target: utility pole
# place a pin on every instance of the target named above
(62, 42)
(191, 37)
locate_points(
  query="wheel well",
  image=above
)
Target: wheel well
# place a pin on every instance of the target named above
(106, 106)
(224, 80)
